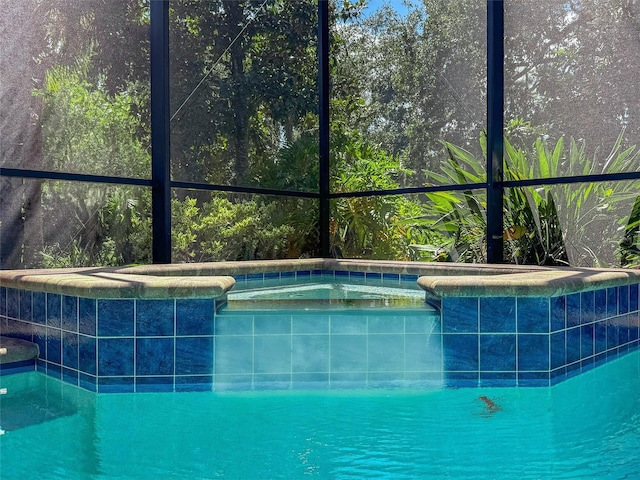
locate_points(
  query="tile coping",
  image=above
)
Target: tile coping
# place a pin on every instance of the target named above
(213, 280)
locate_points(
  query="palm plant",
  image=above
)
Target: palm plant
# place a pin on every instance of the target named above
(546, 225)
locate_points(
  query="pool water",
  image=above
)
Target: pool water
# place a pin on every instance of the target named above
(321, 293)
(586, 427)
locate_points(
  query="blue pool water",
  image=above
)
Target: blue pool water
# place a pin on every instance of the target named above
(586, 427)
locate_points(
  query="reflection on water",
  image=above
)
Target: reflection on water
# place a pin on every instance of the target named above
(587, 427)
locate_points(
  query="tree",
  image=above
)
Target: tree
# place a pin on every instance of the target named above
(243, 82)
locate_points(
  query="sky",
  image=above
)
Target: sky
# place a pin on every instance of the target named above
(397, 5)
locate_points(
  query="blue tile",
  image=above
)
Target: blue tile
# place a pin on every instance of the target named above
(498, 379)
(348, 324)
(240, 278)
(623, 299)
(534, 379)
(54, 345)
(194, 383)
(587, 364)
(155, 356)
(40, 339)
(154, 318)
(533, 315)
(385, 324)
(460, 352)
(634, 333)
(623, 330)
(587, 341)
(18, 367)
(573, 310)
(385, 353)
(573, 345)
(600, 303)
(234, 355)
(310, 324)
(558, 313)
(88, 382)
(633, 297)
(87, 354)
(116, 385)
(287, 274)
(70, 376)
(373, 277)
(587, 307)
(69, 319)
(115, 318)
(54, 310)
(558, 346)
(194, 356)
(303, 274)
(115, 357)
(234, 325)
(13, 303)
(497, 352)
(391, 277)
(348, 353)
(154, 384)
(497, 314)
(70, 350)
(407, 277)
(272, 354)
(54, 371)
(455, 379)
(41, 366)
(533, 352)
(558, 375)
(612, 301)
(600, 337)
(87, 316)
(271, 275)
(612, 333)
(25, 305)
(310, 353)
(272, 324)
(3, 301)
(460, 314)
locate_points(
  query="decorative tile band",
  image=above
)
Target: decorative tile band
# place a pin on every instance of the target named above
(127, 345)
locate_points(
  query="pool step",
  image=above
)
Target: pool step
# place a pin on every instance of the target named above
(321, 304)
(17, 350)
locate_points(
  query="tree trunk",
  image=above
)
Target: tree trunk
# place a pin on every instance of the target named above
(239, 97)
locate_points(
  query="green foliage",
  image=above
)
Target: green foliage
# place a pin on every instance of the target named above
(368, 226)
(553, 225)
(223, 230)
(628, 250)
(87, 130)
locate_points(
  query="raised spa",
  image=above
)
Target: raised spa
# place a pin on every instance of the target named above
(318, 323)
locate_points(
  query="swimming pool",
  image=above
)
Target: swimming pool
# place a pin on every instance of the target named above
(586, 427)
